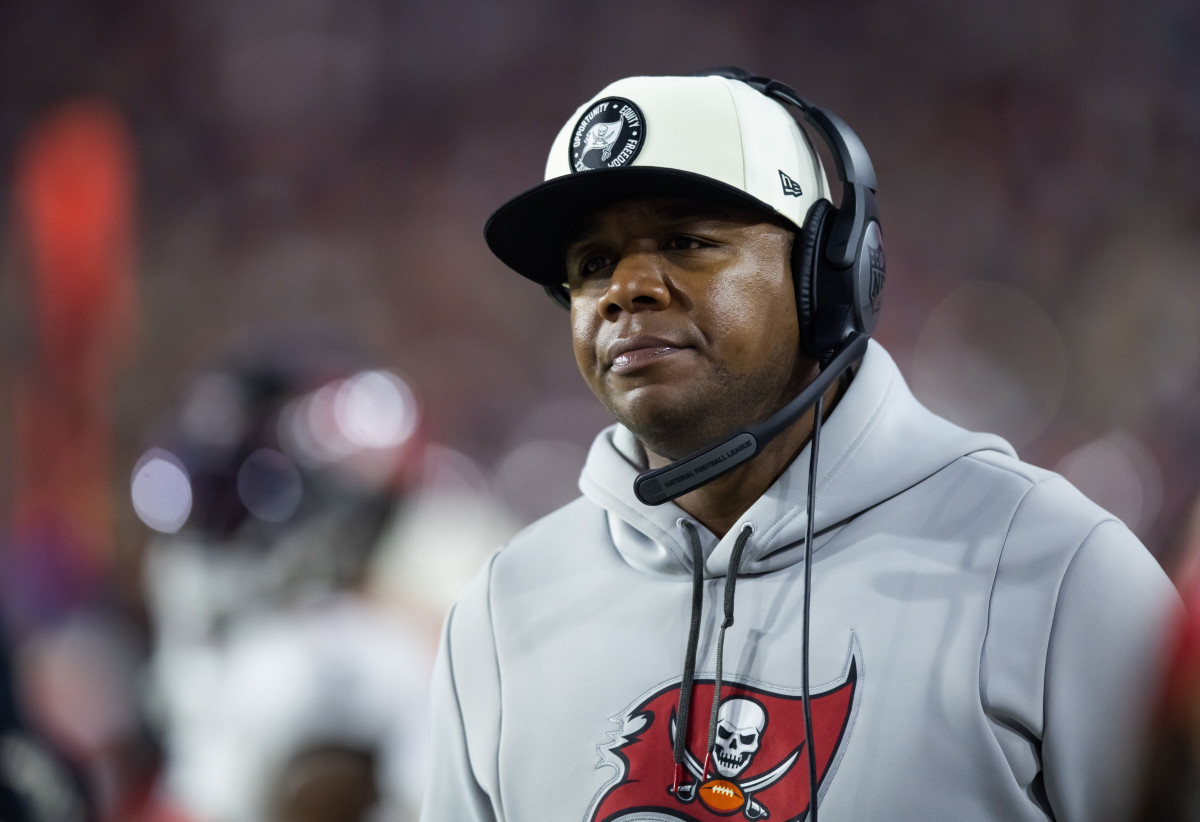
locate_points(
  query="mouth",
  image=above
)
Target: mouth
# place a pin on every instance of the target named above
(638, 352)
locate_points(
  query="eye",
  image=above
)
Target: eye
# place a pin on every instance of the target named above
(589, 265)
(594, 264)
(682, 242)
(724, 733)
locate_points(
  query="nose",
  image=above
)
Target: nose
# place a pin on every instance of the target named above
(636, 284)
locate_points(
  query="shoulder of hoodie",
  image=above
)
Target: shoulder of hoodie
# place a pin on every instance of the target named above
(1050, 510)
(1061, 554)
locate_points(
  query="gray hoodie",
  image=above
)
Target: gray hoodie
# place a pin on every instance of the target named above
(984, 643)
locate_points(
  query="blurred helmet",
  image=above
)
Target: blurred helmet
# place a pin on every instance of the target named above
(273, 478)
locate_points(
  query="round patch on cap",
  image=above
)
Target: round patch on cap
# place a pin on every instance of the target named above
(609, 135)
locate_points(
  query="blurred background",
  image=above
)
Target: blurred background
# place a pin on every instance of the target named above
(186, 182)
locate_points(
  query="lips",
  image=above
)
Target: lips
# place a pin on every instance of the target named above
(637, 352)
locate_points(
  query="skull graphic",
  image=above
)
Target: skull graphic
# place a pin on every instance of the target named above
(604, 136)
(740, 724)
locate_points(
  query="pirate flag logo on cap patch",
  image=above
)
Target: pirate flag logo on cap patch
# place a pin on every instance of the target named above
(609, 135)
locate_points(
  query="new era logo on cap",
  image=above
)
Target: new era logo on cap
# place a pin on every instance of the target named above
(790, 186)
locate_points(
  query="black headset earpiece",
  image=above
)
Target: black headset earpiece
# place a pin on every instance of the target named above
(806, 252)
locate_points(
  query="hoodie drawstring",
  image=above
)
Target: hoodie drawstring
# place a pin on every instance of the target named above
(689, 664)
(689, 660)
(735, 560)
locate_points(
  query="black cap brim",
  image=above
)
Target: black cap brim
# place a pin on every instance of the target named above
(529, 232)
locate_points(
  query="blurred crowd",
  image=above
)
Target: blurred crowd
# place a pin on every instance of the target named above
(266, 399)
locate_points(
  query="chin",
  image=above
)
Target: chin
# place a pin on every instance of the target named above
(672, 439)
(671, 428)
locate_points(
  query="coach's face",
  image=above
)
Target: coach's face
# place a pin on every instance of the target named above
(684, 319)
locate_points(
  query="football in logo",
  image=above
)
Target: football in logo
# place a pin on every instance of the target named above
(609, 135)
(722, 796)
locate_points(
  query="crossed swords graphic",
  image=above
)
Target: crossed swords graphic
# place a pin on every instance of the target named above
(754, 809)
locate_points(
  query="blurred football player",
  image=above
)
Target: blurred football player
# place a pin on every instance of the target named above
(285, 691)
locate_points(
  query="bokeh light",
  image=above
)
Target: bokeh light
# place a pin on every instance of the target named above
(1118, 473)
(270, 485)
(991, 359)
(375, 409)
(161, 491)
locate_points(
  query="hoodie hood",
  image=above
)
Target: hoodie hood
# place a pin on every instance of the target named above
(877, 442)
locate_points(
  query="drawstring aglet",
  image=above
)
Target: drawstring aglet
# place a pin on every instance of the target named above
(675, 780)
(704, 770)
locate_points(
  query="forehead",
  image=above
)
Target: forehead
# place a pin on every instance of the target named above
(659, 211)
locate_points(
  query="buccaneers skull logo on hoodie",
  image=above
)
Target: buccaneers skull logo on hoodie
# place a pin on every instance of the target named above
(758, 768)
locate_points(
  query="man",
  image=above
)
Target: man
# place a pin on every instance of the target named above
(979, 639)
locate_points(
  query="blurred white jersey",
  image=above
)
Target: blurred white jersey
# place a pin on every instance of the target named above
(339, 672)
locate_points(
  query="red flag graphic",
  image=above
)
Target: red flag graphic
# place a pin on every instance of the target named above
(759, 767)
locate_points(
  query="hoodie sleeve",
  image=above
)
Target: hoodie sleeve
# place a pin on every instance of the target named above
(1103, 672)
(465, 703)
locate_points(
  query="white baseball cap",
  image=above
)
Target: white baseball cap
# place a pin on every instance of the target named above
(708, 138)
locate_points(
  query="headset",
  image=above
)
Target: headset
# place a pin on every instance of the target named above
(839, 269)
(837, 259)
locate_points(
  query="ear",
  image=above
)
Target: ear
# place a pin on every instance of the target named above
(559, 294)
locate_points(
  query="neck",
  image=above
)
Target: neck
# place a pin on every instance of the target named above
(719, 504)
